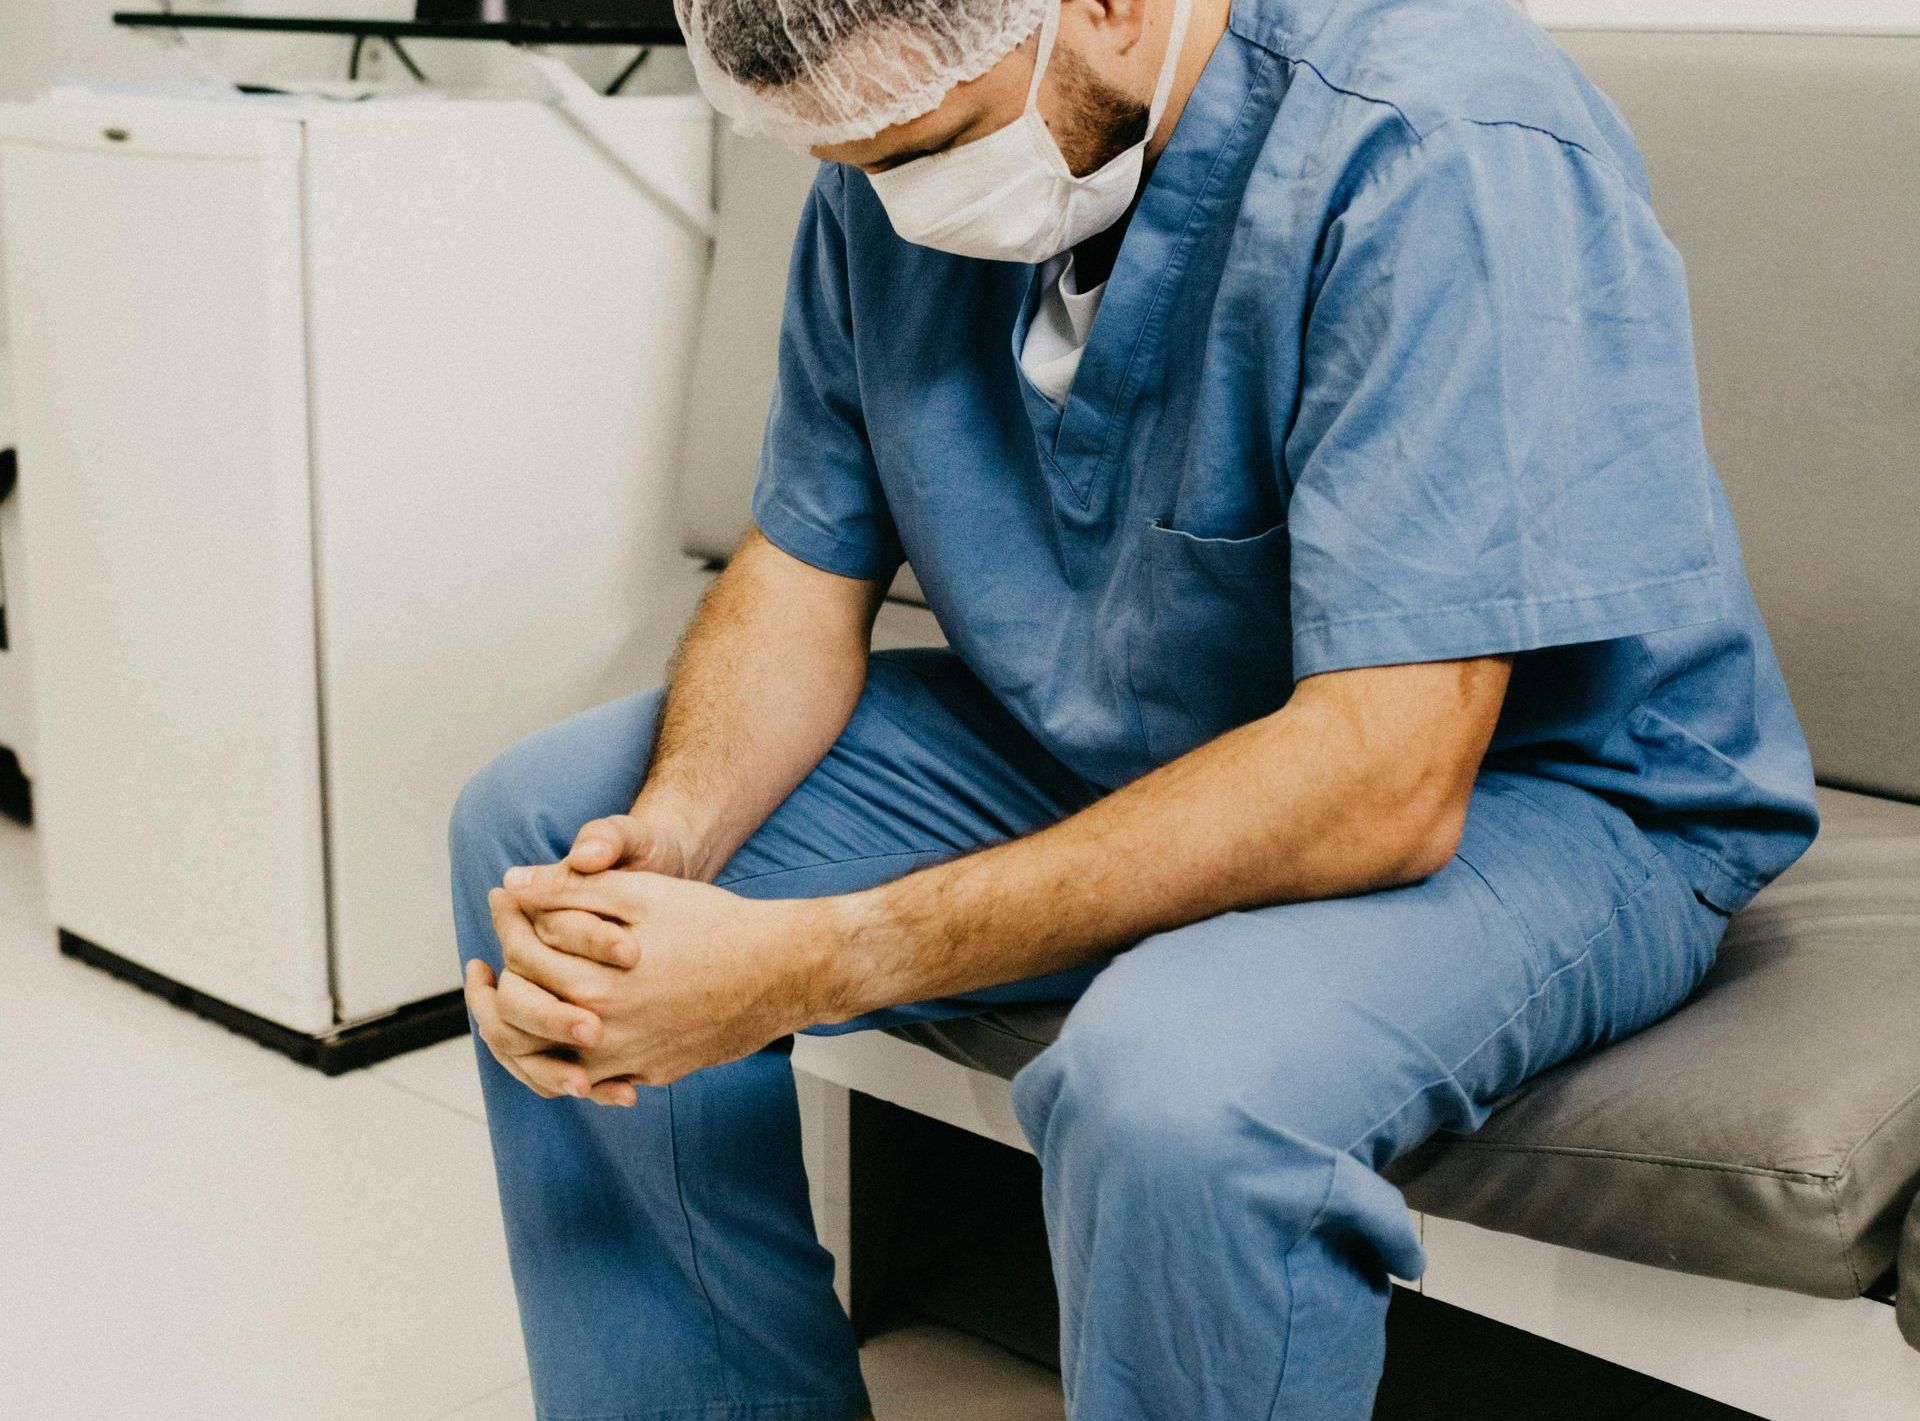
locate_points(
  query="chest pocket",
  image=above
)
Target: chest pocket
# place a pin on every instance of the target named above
(1213, 643)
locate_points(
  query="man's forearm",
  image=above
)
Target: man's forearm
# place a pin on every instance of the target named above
(765, 680)
(1303, 804)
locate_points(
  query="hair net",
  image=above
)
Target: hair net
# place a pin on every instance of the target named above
(812, 72)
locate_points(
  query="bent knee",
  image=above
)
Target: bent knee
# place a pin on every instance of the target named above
(492, 804)
(1164, 1096)
(534, 795)
(1130, 1091)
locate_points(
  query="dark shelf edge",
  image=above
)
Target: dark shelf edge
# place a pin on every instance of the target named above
(418, 1024)
(662, 32)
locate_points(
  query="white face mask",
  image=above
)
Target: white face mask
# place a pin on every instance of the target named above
(1010, 196)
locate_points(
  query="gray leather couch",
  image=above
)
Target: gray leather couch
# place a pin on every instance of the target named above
(1768, 1130)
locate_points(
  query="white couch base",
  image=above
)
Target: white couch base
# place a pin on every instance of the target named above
(1779, 1355)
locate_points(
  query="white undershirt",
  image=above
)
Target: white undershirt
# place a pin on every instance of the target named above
(1058, 332)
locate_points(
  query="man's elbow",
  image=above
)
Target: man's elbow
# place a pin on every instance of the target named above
(1429, 839)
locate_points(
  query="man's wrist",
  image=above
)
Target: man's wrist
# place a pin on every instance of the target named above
(693, 827)
(848, 955)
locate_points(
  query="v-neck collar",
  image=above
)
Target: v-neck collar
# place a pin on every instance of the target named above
(1078, 441)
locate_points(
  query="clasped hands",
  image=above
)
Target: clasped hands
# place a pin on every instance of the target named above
(619, 974)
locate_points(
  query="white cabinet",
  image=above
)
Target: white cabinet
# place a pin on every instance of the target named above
(347, 435)
(16, 731)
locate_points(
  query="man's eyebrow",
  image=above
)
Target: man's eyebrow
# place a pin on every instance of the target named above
(913, 153)
(895, 159)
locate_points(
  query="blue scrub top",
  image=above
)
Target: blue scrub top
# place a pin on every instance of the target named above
(1394, 365)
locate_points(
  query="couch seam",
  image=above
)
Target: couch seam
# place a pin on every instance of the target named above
(1866, 1136)
(1840, 1236)
(998, 1028)
(1828, 1178)
(1655, 1161)
(1840, 1175)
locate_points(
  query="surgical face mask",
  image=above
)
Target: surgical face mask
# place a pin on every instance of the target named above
(1010, 196)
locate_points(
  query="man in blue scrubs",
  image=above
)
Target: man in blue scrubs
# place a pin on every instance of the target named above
(1355, 700)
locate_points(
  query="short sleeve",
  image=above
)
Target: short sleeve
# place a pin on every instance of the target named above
(1497, 444)
(817, 493)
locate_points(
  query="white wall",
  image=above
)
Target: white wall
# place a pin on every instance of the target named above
(45, 41)
(1828, 16)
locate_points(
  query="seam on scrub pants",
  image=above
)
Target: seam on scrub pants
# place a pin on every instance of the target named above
(1333, 1171)
(1286, 1284)
(1586, 951)
(693, 1253)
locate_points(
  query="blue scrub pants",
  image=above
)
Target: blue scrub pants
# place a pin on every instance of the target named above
(1210, 1124)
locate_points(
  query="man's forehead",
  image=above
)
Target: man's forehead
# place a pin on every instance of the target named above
(926, 131)
(953, 115)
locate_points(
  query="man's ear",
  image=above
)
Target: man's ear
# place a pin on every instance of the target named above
(1115, 26)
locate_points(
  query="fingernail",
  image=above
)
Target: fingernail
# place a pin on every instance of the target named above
(583, 1033)
(574, 1088)
(517, 877)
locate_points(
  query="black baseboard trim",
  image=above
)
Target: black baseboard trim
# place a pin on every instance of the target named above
(418, 1024)
(16, 790)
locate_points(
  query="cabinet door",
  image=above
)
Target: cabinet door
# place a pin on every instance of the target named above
(499, 346)
(155, 280)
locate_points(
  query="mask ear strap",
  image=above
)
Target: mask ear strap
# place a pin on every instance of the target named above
(1049, 29)
(1176, 42)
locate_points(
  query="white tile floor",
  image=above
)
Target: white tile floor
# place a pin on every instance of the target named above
(191, 1226)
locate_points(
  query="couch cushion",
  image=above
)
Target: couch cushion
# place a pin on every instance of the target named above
(1908, 1311)
(1767, 1131)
